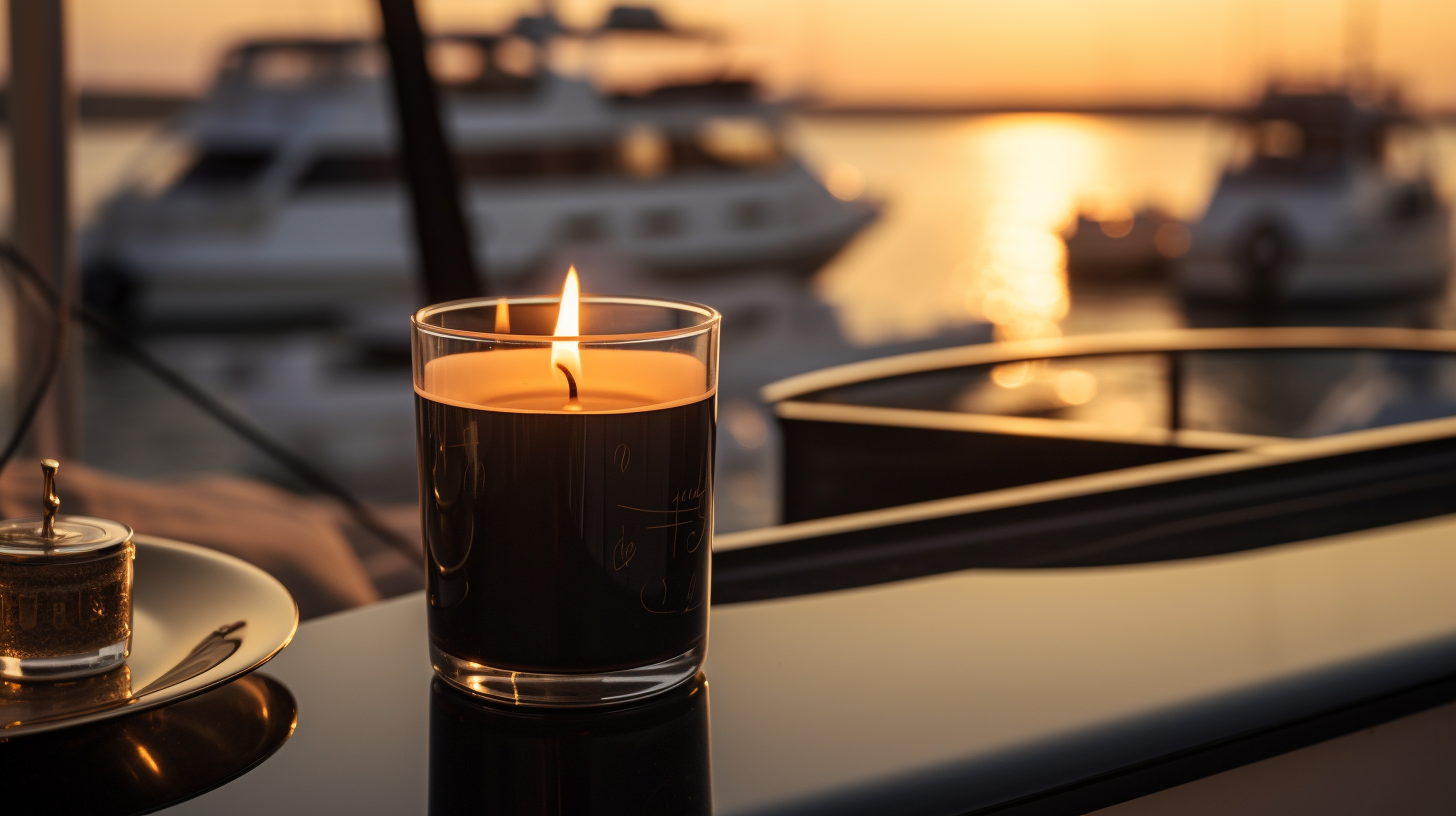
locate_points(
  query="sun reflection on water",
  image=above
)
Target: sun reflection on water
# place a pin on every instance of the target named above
(1015, 270)
(975, 207)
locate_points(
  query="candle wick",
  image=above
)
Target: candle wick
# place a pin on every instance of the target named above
(573, 403)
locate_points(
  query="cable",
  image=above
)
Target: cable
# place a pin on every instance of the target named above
(232, 420)
(31, 405)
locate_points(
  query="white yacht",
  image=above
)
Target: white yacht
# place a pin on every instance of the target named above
(279, 197)
(1335, 204)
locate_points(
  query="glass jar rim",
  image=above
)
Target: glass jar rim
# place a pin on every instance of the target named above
(711, 316)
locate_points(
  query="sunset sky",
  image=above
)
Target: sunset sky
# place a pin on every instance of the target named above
(872, 51)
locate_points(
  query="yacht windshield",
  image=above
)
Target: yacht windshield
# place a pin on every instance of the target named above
(224, 169)
(159, 164)
(641, 153)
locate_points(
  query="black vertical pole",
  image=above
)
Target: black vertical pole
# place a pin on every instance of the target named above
(1175, 391)
(442, 236)
(40, 127)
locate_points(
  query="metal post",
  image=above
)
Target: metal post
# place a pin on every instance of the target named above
(442, 236)
(40, 123)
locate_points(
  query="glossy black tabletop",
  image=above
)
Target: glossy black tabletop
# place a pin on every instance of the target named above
(977, 690)
(143, 761)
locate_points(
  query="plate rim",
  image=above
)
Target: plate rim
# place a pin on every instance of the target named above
(223, 675)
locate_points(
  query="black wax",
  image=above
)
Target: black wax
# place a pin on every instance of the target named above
(647, 759)
(567, 542)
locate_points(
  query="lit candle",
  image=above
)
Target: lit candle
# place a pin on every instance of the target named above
(542, 377)
(567, 486)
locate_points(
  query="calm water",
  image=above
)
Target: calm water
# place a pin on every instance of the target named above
(974, 206)
(972, 210)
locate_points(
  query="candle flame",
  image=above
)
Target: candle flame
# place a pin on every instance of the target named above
(565, 356)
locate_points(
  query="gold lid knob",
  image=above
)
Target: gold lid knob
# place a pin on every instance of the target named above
(56, 536)
(48, 468)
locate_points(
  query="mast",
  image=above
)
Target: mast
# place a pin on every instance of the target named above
(442, 235)
(40, 118)
(1360, 30)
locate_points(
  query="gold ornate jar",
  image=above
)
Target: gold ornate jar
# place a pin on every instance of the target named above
(65, 593)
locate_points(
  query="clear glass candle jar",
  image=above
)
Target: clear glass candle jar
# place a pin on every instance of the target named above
(65, 595)
(567, 494)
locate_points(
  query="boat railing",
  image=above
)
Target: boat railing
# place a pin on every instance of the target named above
(875, 493)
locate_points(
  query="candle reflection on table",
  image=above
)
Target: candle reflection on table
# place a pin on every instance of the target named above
(651, 758)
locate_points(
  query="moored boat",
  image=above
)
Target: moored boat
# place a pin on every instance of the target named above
(279, 195)
(1323, 211)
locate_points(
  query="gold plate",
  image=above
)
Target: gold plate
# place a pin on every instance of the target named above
(199, 619)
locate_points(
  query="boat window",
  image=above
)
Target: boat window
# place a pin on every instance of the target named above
(282, 67)
(521, 164)
(460, 63)
(160, 164)
(744, 142)
(1282, 146)
(348, 170)
(713, 92)
(368, 61)
(750, 215)
(640, 153)
(584, 228)
(549, 162)
(1280, 139)
(516, 56)
(663, 222)
(689, 155)
(299, 63)
(455, 62)
(218, 169)
(1407, 153)
(307, 63)
(483, 65)
(644, 152)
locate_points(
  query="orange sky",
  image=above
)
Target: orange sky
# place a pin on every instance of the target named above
(870, 51)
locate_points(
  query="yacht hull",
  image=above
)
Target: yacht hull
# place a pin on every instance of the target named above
(330, 256)
(1293, 246)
